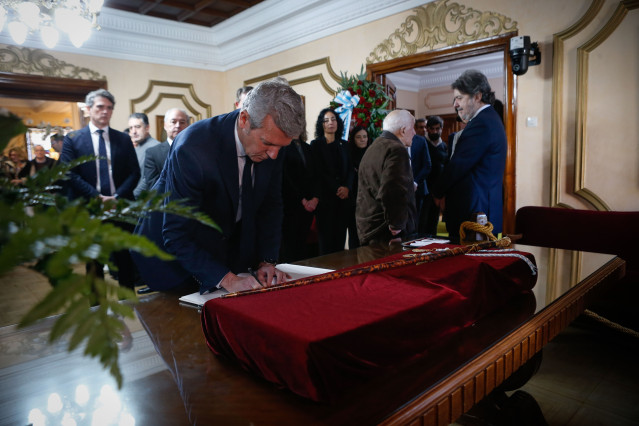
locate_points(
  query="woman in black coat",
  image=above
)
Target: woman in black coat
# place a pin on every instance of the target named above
(335, 173)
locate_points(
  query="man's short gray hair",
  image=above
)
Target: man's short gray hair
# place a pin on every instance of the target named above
(281, 102)
(101, 93)
(398, 119)
(170, 110)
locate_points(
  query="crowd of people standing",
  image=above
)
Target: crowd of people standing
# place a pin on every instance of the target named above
(285, 190)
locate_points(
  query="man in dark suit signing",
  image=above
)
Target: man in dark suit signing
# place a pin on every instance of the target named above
(472, 180)
(112, 176)
(228, 168)
(175, 120)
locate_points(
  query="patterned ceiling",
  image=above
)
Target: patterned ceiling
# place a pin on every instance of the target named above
(206, 13)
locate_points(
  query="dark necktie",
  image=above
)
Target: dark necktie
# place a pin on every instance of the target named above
(247, 186)
(105, 181)
(247, 235)
(298, 145)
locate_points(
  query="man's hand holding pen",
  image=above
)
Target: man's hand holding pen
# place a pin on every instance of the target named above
(268, 275)
(265, 276)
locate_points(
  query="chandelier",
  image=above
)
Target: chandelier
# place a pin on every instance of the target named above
(76, 18)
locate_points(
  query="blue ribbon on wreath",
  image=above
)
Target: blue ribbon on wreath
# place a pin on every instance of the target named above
(345, 111)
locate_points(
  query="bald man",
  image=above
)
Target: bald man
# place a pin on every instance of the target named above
(386, 196)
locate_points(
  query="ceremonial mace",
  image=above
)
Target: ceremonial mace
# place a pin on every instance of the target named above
(398, 263)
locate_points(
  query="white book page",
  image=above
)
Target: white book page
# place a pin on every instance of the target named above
(295, 271)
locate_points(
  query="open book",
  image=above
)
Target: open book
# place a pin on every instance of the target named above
(295, 271)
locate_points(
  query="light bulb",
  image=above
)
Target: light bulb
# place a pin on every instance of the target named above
(54, 403)
(29, 14)
(50, 36)
(18, 31)
(80, 31)
(64, 19)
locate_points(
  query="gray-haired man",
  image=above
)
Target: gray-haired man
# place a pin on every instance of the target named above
(228, 168)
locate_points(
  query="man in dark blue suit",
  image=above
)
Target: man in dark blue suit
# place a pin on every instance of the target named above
(472, 180)
(421, 165)
(112, 177)
(438, 157)
(228, 168)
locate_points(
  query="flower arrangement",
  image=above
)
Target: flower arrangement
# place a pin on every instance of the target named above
(369, 110)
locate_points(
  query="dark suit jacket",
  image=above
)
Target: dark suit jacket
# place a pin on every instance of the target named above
(332, 171)
(420, 163)
(154, 162)
(472, 180)
(202, 170)
(386, 195)
(438, 158)
(298, 179)
(83, 178)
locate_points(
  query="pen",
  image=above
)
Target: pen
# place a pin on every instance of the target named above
(254, 275)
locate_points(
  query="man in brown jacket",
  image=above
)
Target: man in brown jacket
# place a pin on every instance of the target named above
(386, 195)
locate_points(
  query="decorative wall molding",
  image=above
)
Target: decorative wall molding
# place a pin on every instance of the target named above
(22, 60)
(560, 170)
(156, 91)
(325, 62)
(583, 56)
(559, 40)
(439, 24)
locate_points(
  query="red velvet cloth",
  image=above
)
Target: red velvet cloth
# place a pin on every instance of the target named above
(318, 340)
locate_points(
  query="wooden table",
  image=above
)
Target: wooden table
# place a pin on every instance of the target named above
(433, 391)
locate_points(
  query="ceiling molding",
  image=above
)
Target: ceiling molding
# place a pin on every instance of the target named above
(265, 29)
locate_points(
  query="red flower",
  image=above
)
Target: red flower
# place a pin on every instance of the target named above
(368, 105)
(359, 91)
(371, 93)
(360, 83)
(379, 101)
(351, 91)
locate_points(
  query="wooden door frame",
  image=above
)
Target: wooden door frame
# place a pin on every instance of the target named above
(26, 86)
(494, 44)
